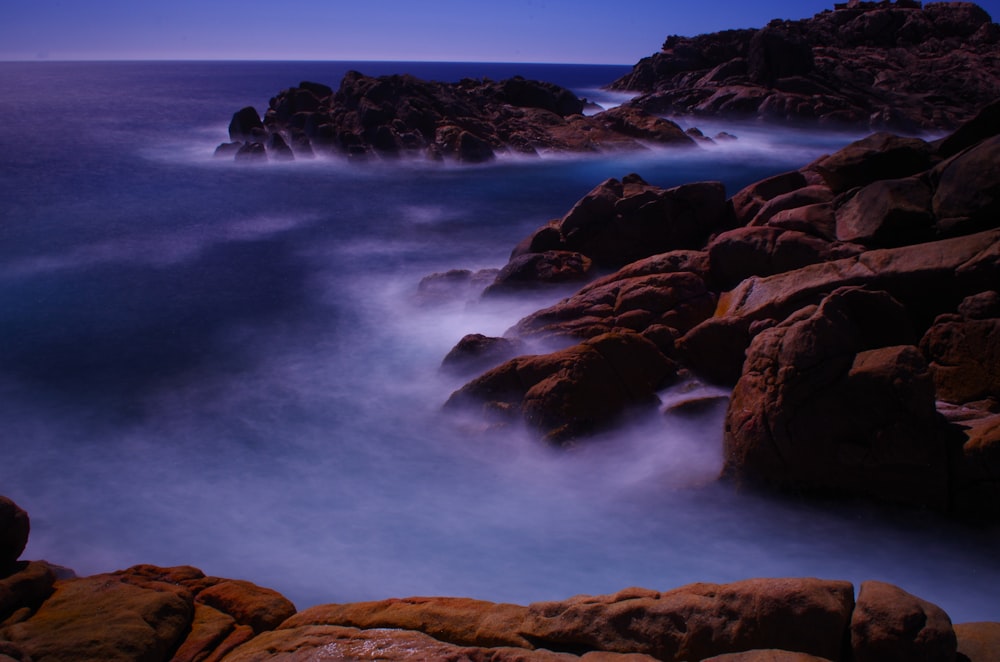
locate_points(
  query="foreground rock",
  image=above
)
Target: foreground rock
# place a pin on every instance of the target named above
(881, 64)
(852, 304)
(470, 121)
(157, 614)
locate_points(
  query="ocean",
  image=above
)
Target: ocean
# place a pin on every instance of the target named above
(229, 365)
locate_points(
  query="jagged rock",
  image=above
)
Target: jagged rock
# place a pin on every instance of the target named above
(892, 212)
(619, 222)
(470, 121)
(834, 400)
(890, 625)
(530, 270)
(572, 392)
(887, 65)
(967, 188)
(879, 156)
(478, 352)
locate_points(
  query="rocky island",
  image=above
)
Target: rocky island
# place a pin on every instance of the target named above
(470, 121)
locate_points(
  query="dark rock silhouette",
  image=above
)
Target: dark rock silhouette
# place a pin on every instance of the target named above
(880, 64)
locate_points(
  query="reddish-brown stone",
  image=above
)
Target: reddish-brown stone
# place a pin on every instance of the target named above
(890, 625)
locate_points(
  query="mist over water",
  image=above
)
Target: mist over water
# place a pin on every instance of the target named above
(230, 367)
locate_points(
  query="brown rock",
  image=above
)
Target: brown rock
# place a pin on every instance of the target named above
(260, 608)
(830, 401)
(637, 123)
(892, 212)
(818, 220)
(964, 352)
(679, 300)
(879, 156)
(977, 475)
(979, 642)
(749, 201)
(209, 629)
(459, 621)
(701, 620)
(533, 269)
(763, 251)
(801, 197)
(575, 391)
(26, 587)
(478, 352)
(967, 195)
(106, 618)
(890, 624)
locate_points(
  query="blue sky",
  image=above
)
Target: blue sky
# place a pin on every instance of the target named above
(585, 31)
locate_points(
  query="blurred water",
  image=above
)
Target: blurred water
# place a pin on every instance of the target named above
(227, 366)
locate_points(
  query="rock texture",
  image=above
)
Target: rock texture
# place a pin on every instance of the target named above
(470, 121)
(884, 64)
(158, 614)
(852, 304)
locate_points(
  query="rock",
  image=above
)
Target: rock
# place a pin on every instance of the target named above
(749, 201)
(887, 213)
(967, 193)
(976, 491)
(459, 621)
(832, 401)
(877, 157)
(637, 123)
(889, 624)
(619, 222)
(14, 528)
(910, 68)
(698, 621)
(227, 150)
(763, 251)
(982, 126)
(572, 392)
(470, 121)
(800, 197)
(679, 300)
(964, 351)
(533, 269)
(246, 125)
(456, 284)
(251, 152)
(978, 642)
(248, 604)
(26, 587)
(766, 655)
(212, 632)
(478, 352)
(278, 149)
(105, 617)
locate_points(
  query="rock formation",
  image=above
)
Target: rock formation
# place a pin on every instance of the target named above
(852, 304)
(158, 614)
(886, 65)
(470, 121)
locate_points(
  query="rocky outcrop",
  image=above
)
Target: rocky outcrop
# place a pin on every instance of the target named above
(157, 614)
(470, 121)
(852, 304)
(885, 65)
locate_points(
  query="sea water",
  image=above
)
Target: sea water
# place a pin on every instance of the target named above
(230, 366)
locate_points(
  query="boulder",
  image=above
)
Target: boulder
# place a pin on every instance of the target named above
(765, 655)
(978, 642)
(890, 624)
(105, 617)
(888, 213)
(531, 270)
(877, 157)
(752, 198)
(476, 352)
(833, 401)
(638, 123)
(246, 125)
(572, 392)
(976, 489)
(25, 588)
(248, 604)
(967, 193)
(619, 222)
(679, 300)
(14, 528)
(964, 357)
(699, 621)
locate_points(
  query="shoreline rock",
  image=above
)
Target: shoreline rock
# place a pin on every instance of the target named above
(853, 305)
(898, 66)
(158, 614)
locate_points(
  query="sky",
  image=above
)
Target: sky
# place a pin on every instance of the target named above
(575, 31)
